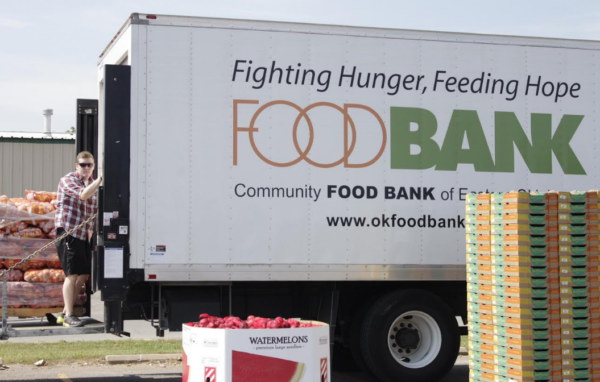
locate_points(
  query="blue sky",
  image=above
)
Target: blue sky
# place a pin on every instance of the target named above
(50, 49)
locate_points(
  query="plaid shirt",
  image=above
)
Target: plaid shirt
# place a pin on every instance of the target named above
(71, 210)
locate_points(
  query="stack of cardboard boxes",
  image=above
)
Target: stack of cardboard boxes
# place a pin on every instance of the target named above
(579, 288)
(532, 277)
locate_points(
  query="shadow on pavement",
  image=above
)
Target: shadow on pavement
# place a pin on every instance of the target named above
(44, 324)
(157, 377)
(459, 373)
(350, 377)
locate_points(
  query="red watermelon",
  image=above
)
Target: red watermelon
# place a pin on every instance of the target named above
(253, 367)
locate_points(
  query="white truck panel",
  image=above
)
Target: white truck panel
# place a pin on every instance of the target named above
(138, 142)
(184, 180)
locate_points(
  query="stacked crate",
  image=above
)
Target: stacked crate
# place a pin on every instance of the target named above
(479, 283)
(579, 287)
(524, 244)
(593, 232)
(514, 326)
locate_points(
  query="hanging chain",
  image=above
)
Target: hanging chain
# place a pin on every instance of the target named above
(47, 245)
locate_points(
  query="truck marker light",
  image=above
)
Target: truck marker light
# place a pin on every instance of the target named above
(152, 17)
(151, 277)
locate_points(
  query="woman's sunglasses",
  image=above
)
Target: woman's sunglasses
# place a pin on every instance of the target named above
(85, 164)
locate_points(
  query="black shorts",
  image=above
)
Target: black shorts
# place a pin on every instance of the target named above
(75, 254)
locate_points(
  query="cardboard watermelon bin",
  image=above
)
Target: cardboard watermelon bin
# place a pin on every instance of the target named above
(265, 355)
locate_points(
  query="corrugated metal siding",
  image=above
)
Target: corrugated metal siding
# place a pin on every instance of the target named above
(34, 165)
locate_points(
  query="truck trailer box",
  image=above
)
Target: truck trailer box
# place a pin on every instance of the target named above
(264, 150)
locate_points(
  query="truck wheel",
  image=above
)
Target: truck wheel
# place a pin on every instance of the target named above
(410, 335)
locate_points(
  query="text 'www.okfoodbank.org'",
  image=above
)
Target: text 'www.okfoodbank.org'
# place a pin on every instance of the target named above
(385, 221)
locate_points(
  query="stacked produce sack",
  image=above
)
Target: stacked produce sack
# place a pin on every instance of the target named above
(27, 225)
(28, 217)
(532, 279)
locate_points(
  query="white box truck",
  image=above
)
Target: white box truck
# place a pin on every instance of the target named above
(320, 171)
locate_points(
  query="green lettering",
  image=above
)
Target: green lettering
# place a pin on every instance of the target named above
(401, 138)
(465, 123)
(537, 154)
(560, 144)
(510, 133)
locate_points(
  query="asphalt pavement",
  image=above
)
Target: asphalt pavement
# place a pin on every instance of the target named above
(154, 371)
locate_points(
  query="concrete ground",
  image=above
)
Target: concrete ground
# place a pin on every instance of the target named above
(139, 329)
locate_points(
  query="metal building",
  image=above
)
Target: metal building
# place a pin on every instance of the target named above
(34, 161)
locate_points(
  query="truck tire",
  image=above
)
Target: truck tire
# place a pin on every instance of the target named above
(354, 337)
(410, 335)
